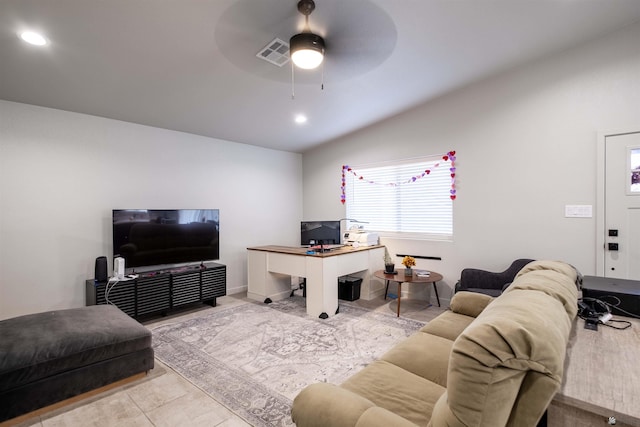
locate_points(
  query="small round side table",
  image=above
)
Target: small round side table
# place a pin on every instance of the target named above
(400, 278)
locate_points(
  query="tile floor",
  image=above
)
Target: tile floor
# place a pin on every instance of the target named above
(165, 399)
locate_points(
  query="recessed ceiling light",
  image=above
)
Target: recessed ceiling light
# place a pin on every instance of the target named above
(33, 38)
(300, 119)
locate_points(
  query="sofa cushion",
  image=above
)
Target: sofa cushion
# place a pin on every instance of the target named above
(448, 325)
(422, 354)
(40, 345)
(379, 417)
(379, 381)
(330, 404)
(465, 306)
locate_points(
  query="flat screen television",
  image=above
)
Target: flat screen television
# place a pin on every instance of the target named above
(167, 237)
(319, 233)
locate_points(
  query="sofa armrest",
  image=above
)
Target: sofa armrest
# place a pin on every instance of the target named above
(469, 303)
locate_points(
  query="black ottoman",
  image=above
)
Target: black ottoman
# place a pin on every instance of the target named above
(49, 357)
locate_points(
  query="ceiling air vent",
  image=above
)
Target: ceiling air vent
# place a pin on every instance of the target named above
(276, 52)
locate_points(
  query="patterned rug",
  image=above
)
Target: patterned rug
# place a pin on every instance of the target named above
(255, 358)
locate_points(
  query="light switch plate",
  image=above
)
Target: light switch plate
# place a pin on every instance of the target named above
(578, 211)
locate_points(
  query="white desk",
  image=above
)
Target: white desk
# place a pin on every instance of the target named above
(270, 269)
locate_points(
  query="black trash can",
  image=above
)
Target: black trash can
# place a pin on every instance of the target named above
(349, 288)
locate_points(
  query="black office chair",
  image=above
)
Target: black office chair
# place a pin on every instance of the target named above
(487, 282)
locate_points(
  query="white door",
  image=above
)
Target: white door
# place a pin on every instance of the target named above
(622, 206)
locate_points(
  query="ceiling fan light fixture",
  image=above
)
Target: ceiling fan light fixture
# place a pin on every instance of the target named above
(306, 50)
(33, 38)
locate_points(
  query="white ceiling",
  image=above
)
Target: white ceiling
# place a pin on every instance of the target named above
(190, 65)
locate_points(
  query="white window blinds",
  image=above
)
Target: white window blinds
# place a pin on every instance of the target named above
(398, 201)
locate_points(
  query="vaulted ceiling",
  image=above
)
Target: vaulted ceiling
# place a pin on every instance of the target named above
(191, 65)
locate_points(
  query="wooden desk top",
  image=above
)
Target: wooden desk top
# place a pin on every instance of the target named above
(293, 250)
(602, 371)
(400, 277)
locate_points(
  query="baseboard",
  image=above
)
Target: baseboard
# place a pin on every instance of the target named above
(236, 290)
(274, 297)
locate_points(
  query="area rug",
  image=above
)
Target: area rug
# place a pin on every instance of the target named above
(255, 358)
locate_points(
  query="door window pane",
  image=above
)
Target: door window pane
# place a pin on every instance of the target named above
(634, 163)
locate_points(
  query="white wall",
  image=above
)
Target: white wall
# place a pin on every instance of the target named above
(62, 173)
(526, 147)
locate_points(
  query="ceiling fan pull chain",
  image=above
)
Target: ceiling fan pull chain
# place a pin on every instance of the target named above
(322, 77)
(293, 85)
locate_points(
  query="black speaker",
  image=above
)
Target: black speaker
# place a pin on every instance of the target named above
(101, 269)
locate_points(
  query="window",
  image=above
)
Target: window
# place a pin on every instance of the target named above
(402, 199)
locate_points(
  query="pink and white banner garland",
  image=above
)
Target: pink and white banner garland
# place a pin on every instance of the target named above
(449, 157)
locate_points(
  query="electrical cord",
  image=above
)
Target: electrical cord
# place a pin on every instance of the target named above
(615, 306)
(593, 310)
(109, 287)
(626, 323)
(112, 282)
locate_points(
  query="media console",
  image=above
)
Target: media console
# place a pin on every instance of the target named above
(622, 294)
(158, 292)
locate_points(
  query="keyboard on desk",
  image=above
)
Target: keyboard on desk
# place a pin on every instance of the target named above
(325, 247)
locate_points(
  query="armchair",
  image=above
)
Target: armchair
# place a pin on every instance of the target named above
(487, 282)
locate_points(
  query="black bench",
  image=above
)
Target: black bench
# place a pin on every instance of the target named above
(49, 357)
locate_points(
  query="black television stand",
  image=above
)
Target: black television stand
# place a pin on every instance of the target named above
(158, 292)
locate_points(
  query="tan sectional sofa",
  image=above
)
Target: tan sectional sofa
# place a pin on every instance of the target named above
(486, 362)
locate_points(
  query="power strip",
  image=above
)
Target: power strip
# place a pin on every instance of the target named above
(123, 279)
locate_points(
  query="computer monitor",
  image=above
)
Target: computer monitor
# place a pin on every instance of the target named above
(319, 233)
